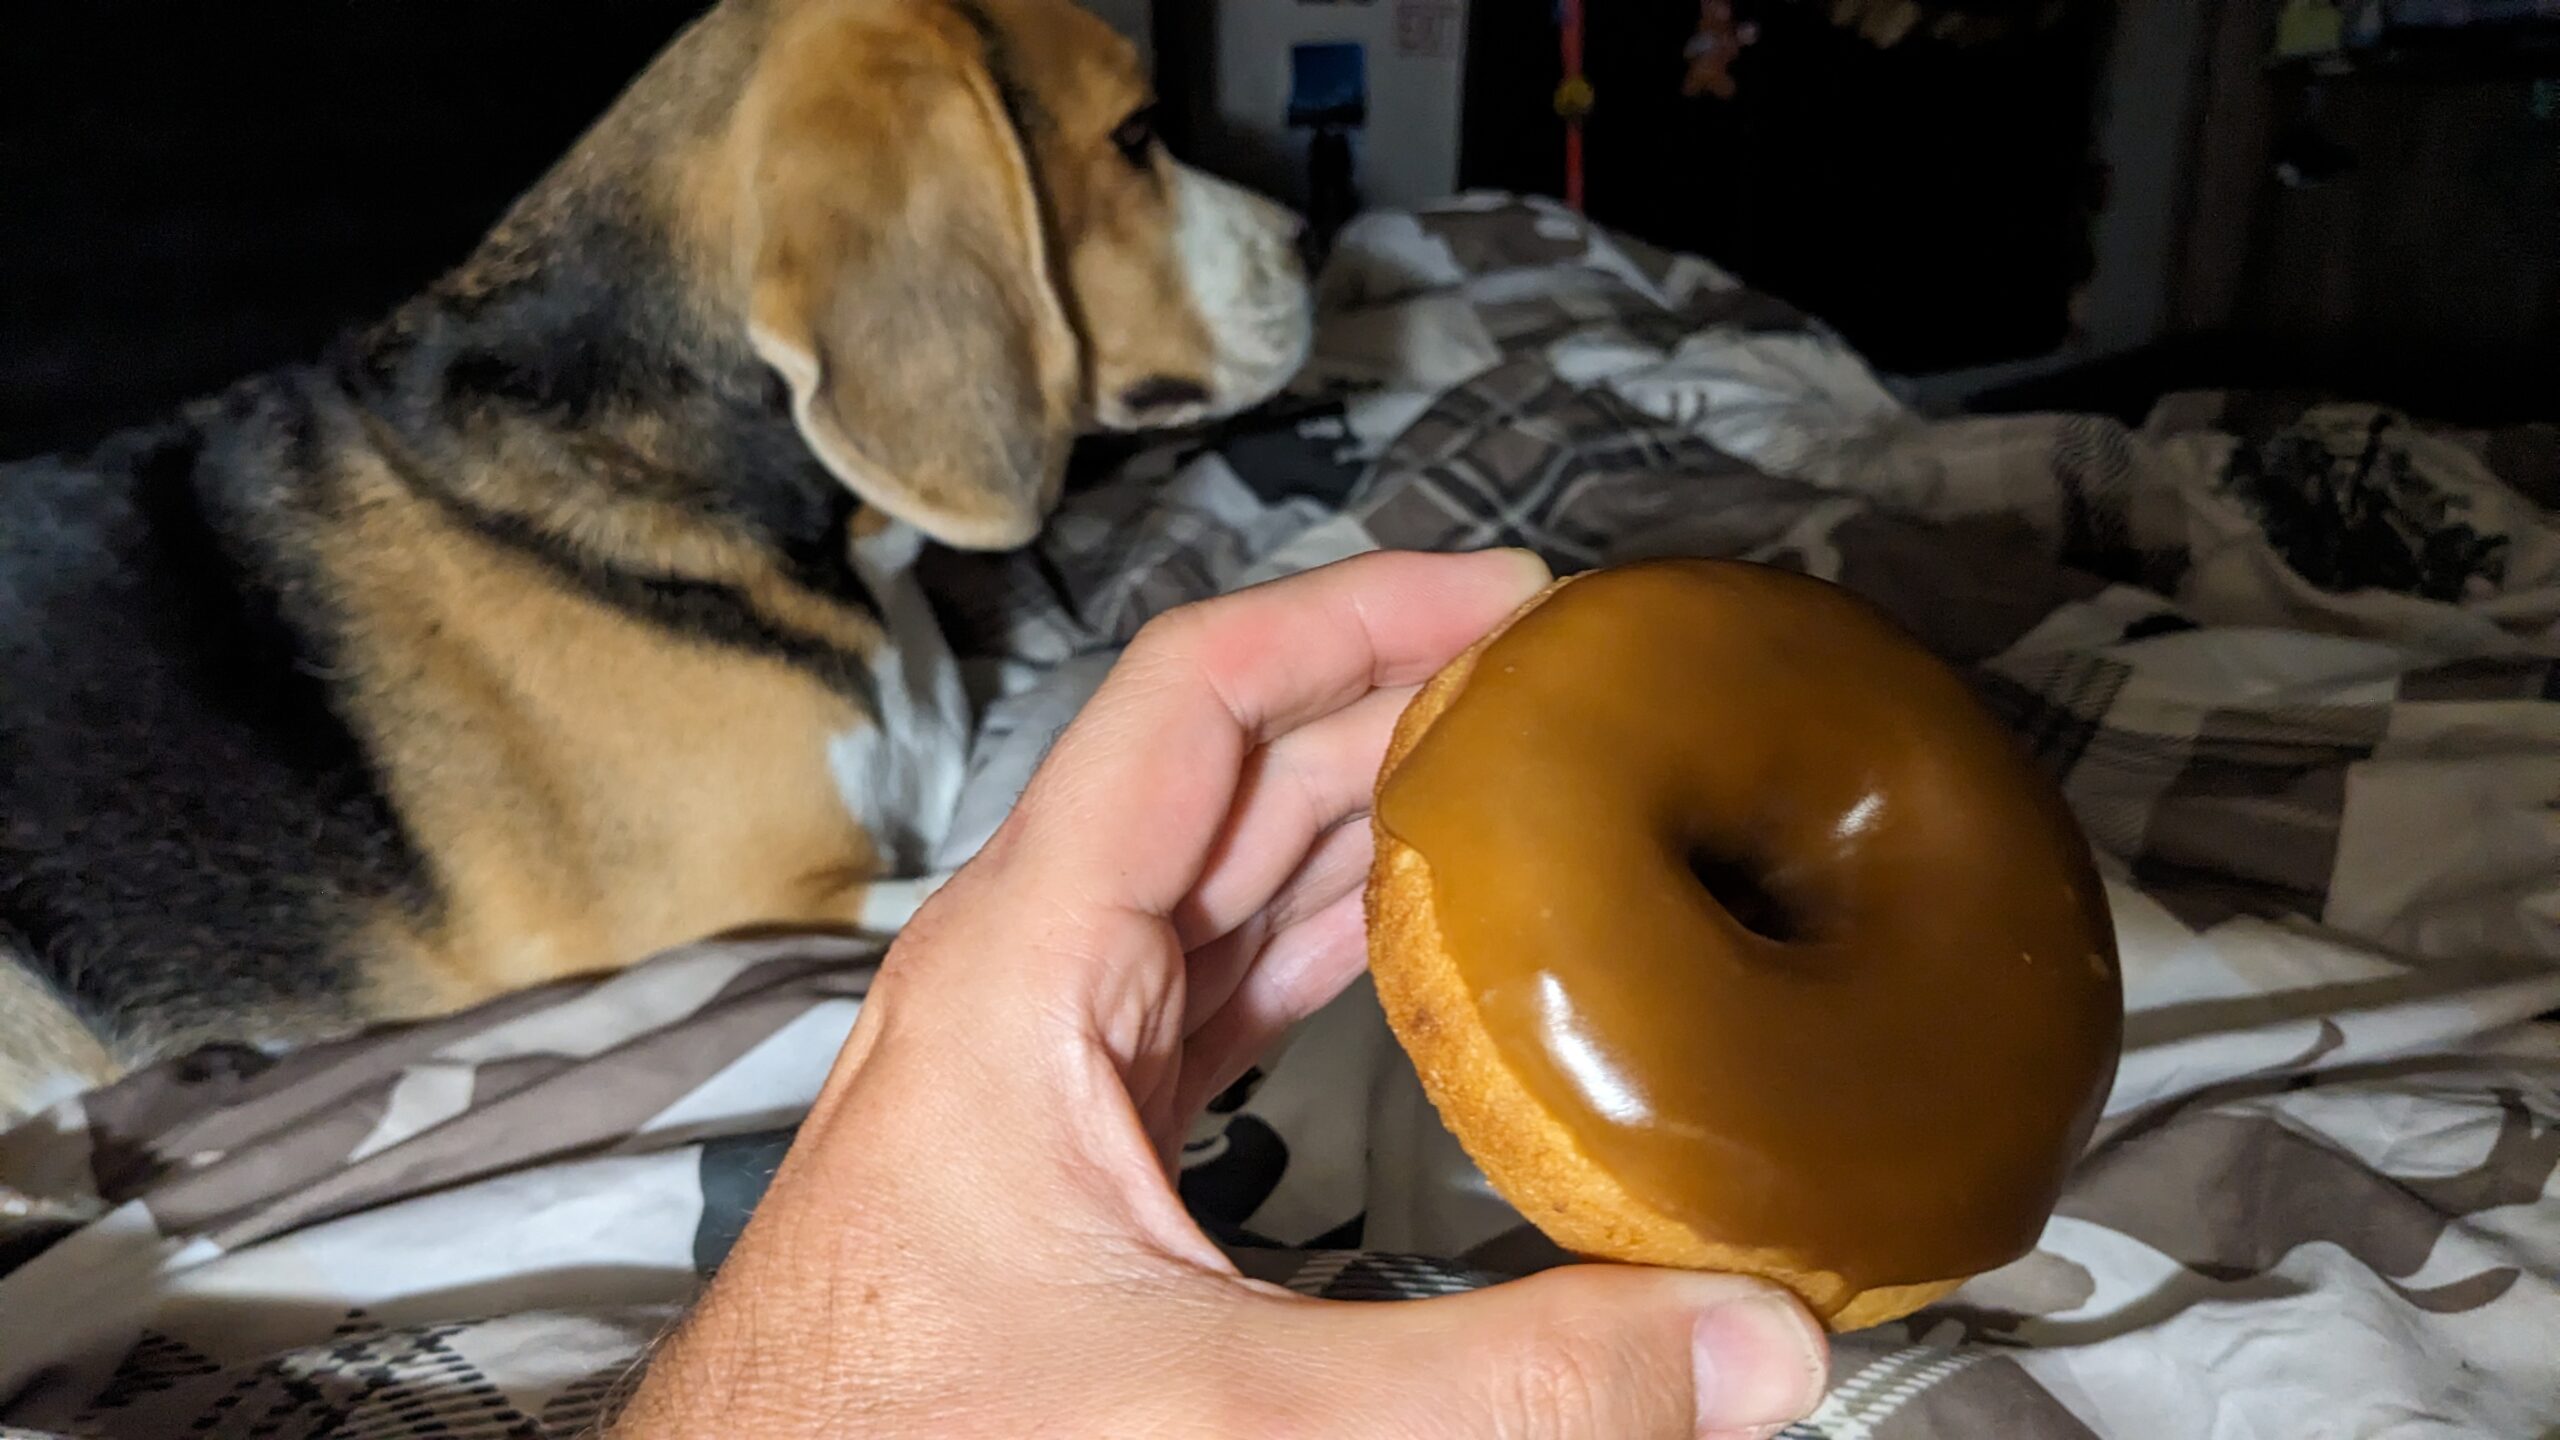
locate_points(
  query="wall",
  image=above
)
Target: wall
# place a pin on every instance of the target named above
(1133, 18)
(1416, 59)
(2146, 138)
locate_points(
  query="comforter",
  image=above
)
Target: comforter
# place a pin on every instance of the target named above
(2296, 665)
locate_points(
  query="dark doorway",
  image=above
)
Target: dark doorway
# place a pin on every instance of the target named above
(1932, 199)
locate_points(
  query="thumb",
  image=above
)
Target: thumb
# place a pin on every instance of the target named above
(1589, 1352)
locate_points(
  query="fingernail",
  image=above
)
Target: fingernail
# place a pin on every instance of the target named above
(1535, 572)
(1760, 1364)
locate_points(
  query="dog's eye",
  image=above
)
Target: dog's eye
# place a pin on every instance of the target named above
(1136, 137)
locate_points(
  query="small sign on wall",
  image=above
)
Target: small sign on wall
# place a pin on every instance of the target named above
(1429, 29)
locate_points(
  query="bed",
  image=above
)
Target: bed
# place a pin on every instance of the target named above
(2295, 663)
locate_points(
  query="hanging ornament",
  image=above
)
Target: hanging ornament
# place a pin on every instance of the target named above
(1573, 98)
(1713, 50)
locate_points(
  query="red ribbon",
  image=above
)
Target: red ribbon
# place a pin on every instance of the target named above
(1572, 38)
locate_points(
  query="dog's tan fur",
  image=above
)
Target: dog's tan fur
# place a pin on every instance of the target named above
(564, 844)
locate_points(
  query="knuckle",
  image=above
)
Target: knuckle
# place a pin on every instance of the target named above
(1198, 643)
(1168, 633)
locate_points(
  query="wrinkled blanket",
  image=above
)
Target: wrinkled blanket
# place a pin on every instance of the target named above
(2297, 666)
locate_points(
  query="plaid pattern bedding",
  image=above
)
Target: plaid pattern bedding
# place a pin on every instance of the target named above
(2297, 666)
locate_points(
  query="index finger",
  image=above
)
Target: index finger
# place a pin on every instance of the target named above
(1129, 802)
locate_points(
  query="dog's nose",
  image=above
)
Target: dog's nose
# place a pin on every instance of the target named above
(1311, 247)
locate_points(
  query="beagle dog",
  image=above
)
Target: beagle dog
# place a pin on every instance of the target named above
(566, 614)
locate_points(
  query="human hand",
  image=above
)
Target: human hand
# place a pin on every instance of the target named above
(976, 1233)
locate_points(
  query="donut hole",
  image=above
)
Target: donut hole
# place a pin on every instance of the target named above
(1743, 890)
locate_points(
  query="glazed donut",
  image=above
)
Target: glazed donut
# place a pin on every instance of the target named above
(1728, 931)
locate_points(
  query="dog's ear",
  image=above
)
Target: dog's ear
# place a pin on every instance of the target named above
(899, 276)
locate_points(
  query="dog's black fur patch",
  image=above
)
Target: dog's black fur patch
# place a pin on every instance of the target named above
(187, 823)
(191, 831)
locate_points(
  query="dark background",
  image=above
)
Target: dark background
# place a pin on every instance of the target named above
(189, 191)
(192, 191)
(1932, 200)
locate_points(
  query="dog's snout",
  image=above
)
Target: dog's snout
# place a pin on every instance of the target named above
(1244, 259)
(1310, 247)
